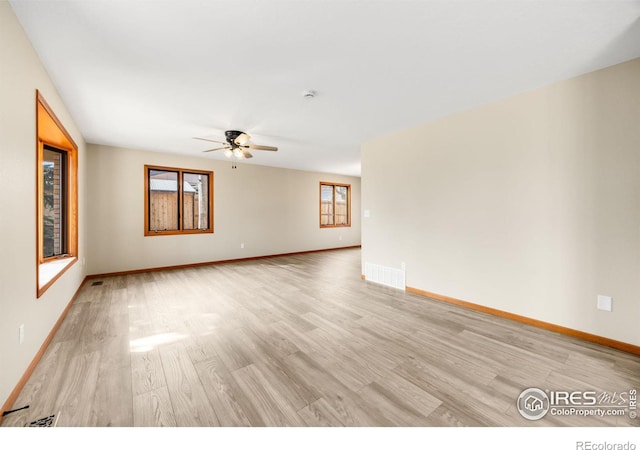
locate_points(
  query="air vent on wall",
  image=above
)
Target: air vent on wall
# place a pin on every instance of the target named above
(388, 276)
(45, 422)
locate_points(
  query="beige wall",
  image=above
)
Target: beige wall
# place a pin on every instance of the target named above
(21, 73)
(529, 205)
(270, 210)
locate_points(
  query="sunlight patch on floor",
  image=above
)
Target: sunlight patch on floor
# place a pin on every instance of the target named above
(146, 344)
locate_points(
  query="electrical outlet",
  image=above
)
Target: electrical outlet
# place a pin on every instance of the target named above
(242, 245)
(605, 303)
(21, 334)
(403, 266)
(340, 237)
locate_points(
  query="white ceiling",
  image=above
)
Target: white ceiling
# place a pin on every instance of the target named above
(153, 74)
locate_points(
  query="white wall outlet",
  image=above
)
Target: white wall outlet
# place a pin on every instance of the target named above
(340, 237)
(242, 245)
(84, 260)
(21, 334)
(605, 303)
(367, 213)
(403, 266)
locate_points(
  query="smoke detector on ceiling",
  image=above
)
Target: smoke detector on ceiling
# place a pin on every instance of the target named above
(309, 94)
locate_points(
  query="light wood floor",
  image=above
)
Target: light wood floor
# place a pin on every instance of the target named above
(300, 341)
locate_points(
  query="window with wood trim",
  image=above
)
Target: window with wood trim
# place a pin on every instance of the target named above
(57, 197)
(335, 205)
(177, 201)
(54, 221)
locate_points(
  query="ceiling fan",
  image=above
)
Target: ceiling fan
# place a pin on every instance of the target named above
(237, 145)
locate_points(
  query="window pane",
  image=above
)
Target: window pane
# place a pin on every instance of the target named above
(326, 205)
(177, 201)
(163, 200)
(54, 198)
(195, 201)
(342, 207)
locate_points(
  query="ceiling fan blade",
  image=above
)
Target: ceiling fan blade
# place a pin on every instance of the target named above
(214, 149)
(246, 154)
(261, 147)
(210, 140)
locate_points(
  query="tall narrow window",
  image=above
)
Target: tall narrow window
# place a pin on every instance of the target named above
(163, 200)
(195, 201)
(326, 205)
(335, 205)
(54, 171)
(178, 201)
(57, 197)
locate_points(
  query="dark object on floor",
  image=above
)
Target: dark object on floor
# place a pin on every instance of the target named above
(6, 413)
(45, 422)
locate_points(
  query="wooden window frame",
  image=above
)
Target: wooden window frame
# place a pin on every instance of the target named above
(334, 185)
(179, 187)
(51, 133)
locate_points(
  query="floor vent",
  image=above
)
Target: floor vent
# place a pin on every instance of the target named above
(388, 276)
(97, 283)
(45, 422)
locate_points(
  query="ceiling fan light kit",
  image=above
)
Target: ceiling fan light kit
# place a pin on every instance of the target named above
(237, 145)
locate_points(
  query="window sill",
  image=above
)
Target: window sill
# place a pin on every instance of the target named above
(176, 232)
(50, 271)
